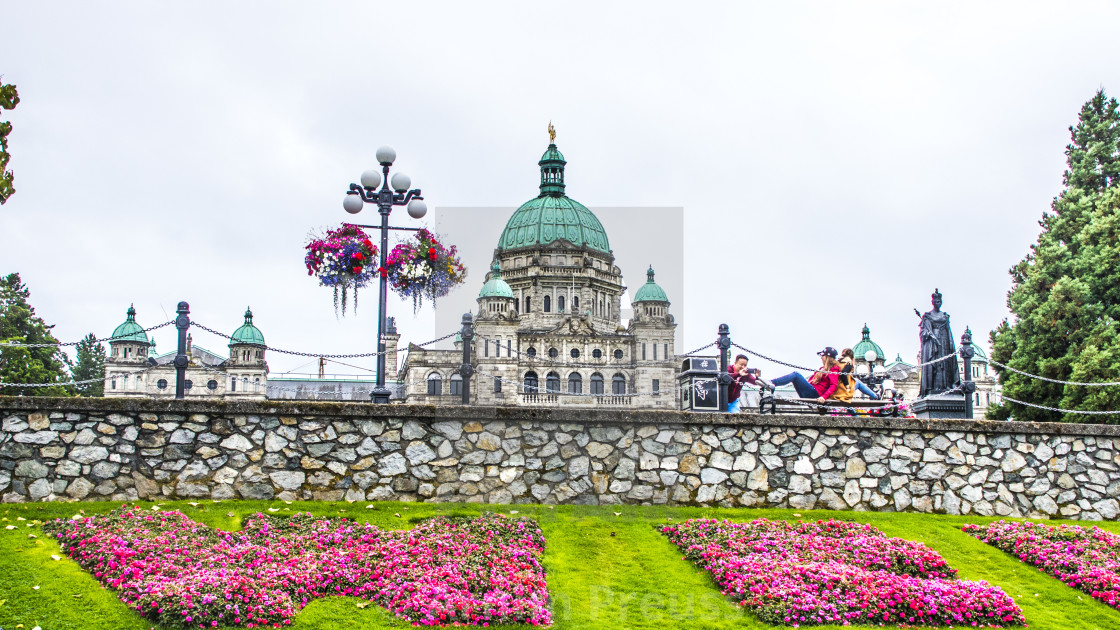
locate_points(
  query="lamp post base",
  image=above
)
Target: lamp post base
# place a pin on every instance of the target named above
(380, 396)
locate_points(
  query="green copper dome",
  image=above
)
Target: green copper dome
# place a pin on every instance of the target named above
(866, 344)
(552, 215)
(129, 330)
(495, 287)
(247, 334)
(650, 291)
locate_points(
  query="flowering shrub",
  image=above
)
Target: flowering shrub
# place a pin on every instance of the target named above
(176, 571)
(1086, 559)
(424, 269)
(837, 572)
(344, 258)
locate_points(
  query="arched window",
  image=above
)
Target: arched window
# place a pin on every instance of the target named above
(560, 304)
(552, 383)
(531, 351)
(597, 383)
(527, 303)
(456, 385)
(618, 354)
(531, 382)
(575, 303)
(618, 384)
(575, 383)
(553, 353)
(435, 384)
(574, 353)
(547, 304)
(596, 354)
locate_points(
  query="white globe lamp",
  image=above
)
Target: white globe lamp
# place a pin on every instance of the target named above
(352, 204)
(400, 182)
(386, 156)
(417, 208)
(371, 178)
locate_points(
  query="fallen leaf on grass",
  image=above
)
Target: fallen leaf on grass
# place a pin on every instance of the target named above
(230, 514)
(192, 504)
(397, 514)
(35, 588)
(288, 502)
(76, 517)
(11, 527)
(618, 513)
(513, 511)
(369, 507)
(32, 536)
(20, 518)
(270, 510)
(54, 557)
(362, 604)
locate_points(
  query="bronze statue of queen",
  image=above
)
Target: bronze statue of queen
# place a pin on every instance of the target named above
(937, 342)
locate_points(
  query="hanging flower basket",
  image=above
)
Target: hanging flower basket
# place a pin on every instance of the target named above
(344, 259)
(423, 268)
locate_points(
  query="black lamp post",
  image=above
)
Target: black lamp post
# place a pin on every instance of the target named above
(385, 198)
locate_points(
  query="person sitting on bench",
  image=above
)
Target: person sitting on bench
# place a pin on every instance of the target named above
(822, 384)
(742, 375)
(847, 356)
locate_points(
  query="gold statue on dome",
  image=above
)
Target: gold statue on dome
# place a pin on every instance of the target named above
(551, 133)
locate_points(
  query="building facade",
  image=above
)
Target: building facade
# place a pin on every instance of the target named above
(134, 370)
(549, 328)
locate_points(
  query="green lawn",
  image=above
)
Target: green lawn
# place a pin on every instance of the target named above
(605, 570)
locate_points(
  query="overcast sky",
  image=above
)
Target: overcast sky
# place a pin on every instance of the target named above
(835, 161)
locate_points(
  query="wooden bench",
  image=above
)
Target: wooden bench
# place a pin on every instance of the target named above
(774, 404)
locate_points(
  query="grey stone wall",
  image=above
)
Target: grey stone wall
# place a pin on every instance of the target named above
(102, 449)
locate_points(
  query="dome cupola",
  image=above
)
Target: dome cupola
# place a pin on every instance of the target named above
(129, 330)
(495, 287)
(552, 215)
(247, 334)
(650, 291)
(865, 344)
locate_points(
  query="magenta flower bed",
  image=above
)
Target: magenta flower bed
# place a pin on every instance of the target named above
(173, 570)
(1086, 559)
(837, 572)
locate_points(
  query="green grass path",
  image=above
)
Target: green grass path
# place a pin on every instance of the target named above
(608, 567)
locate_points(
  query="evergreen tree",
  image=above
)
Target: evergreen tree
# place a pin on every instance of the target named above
(90, 364)
(9, 98)
(18, 323)
(1065, 293)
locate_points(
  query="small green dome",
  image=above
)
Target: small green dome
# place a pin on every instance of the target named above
(129, 330)
(650, 291)
(495, 287)
(552, 215)
(866, 344)
(552, 154)
(247, 334)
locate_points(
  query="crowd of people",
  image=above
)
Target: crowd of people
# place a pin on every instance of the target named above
(834, 380)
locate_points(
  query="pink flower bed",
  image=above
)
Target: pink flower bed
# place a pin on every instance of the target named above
(1086, 559)
(837, 572)
(173, 570)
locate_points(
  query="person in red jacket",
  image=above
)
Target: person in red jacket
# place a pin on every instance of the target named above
(821, 384)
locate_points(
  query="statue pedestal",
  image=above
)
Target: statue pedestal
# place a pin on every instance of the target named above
(940, 406)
